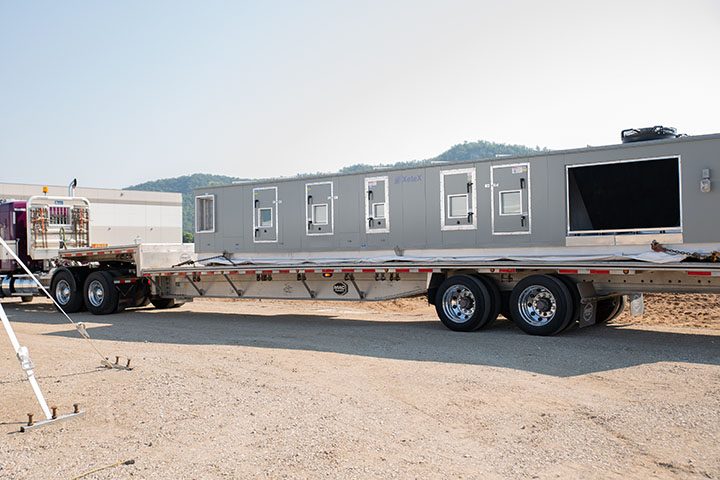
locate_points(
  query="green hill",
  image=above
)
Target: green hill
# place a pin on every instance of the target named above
(462, 152)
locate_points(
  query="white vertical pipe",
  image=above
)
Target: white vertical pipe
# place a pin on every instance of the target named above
(29, 372)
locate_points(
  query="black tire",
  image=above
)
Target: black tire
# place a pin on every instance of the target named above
(576, 301)
(27, 299)
(608, 309)
(104, 298)
(66, 290)
(495, 299)
(164, 303)
(546, 305)
(463, 303)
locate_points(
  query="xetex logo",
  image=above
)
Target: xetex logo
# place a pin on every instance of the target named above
(408, 179)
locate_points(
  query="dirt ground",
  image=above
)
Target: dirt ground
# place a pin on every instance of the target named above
(330, 390)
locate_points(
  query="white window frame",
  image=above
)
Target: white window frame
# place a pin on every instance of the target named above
(501, 203)
(467, 204)
(639, 230)
(374, 210)
(259, 217)
(369, 206)
(206, 196)
(327, 213)
(472, 201)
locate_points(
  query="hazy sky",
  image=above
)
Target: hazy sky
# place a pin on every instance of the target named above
(116, 93)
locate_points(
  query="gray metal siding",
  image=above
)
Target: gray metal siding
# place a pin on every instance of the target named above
(415, 215)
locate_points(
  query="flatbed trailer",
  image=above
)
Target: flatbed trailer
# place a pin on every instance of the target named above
(550, 240)
(543, 298)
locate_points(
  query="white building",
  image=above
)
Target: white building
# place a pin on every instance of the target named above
(118, 217)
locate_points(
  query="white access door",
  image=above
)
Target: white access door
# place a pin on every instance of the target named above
(511, 199)
(265, 217)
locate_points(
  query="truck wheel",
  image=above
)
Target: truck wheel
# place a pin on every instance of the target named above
(101, 296)
(65, 291)
(163, 303)
(609, 309)
(541, 305)
(463, 303)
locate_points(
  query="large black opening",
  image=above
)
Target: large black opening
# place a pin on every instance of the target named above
(637, 196)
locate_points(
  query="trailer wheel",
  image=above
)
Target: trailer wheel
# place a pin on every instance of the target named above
(576, 305)
(163, 303)
(495, 299)
(26, 299)
(541, 305)
(101, 296)
(463, 303)
(609, 309)
(65, 291)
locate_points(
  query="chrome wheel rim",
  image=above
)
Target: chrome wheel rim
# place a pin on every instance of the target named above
(63, 292)
(459, 303)
(537, 305)
(96, 293)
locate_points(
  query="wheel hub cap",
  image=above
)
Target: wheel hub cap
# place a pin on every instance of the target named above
(459, 303)
(96, 293)
(537, 305)
(63, 292)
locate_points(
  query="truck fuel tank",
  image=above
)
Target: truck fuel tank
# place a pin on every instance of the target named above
(20, 286)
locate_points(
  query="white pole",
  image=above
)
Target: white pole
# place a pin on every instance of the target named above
(103, 360)
(24, 358)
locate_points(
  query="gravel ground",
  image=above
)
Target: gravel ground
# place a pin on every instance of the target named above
(329, 390)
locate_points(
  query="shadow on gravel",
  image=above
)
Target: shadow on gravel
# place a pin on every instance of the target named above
(593, 349)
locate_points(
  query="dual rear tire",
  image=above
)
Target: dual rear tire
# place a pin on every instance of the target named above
(76, 289)
(543, 305)
(539, 304)
(466, 303)
(101, 296)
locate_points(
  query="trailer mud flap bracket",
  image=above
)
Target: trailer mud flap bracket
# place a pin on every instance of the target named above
(194, 285)
(302, 278)
(351, 278)
(237, 290)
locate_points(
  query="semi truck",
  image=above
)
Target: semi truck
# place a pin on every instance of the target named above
(551, 241)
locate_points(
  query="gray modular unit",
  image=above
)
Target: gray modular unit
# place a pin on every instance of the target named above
(614, 196)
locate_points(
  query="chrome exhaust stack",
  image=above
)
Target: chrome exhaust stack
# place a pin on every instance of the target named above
(72, 187)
